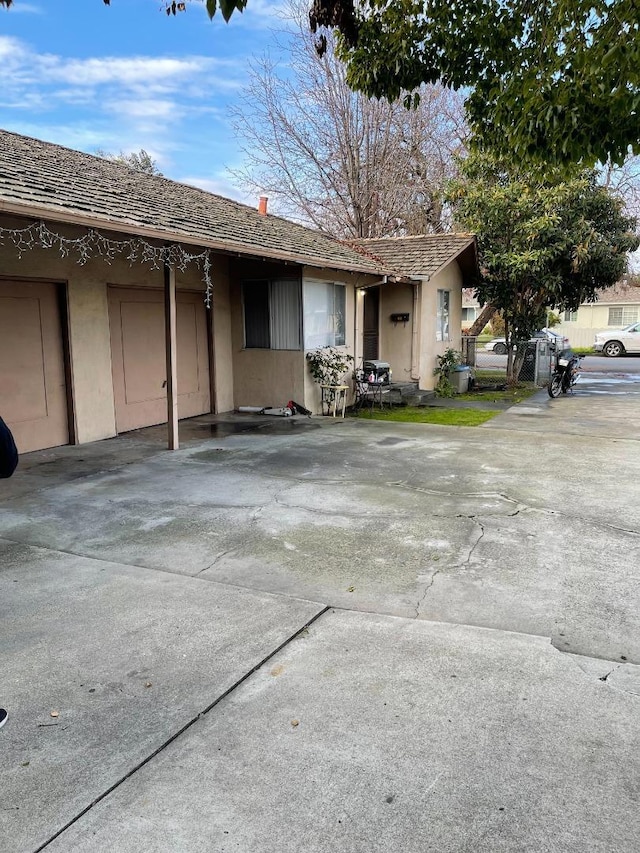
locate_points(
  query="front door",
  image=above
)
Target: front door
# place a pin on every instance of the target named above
(370, 346)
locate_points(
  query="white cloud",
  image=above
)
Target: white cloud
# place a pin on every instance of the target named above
(172, 106)
(129, 72)
(114, 99)
(71, 136)
(192, 76)
(219, 185)
(145, 109)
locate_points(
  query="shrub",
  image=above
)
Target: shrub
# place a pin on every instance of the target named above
(447, 362)
(329, 365)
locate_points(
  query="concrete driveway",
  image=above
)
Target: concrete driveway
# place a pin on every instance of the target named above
(328, 636)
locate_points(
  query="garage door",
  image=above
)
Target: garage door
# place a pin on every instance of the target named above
(138, 356)
(33, 394)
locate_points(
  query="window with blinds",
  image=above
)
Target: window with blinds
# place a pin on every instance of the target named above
(622, 315)
(272, 314)
(324, 314)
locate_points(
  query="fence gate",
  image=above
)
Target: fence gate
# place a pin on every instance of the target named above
(536, 368)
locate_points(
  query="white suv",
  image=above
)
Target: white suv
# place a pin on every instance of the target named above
(618, 341)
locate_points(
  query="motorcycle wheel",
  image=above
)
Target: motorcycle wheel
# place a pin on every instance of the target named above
(555, 385)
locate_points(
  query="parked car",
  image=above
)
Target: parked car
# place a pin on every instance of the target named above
(556, 342)
(616, 342)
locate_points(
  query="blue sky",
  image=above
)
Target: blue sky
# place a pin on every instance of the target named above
(126, 76)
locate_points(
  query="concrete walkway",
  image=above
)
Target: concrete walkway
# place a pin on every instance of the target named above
(328, 635)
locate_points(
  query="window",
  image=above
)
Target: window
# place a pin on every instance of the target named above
(442, 317)
(468, 315)
(622, 315)
(272, 313)
(324, 314)
(570, 316)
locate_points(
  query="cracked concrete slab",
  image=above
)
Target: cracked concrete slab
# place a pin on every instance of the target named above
(433, 525)
(120, 560)
(619, 675)
(101, 664)
(457, 739)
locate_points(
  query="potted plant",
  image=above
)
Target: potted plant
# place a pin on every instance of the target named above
(447, 363)
(328, 366)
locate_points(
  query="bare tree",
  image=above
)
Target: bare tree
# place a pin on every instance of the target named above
(624, 181)
(347, 164)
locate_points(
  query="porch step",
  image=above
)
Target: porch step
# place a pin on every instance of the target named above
(408, 394)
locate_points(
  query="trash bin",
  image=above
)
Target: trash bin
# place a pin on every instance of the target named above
(459, 378)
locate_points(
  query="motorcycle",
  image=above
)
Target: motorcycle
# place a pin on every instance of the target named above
(565, 373)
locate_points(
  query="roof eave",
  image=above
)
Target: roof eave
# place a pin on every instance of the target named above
(138, 230)
(454, 255)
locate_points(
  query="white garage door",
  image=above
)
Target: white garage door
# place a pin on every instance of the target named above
(138, 356)
(33, 394)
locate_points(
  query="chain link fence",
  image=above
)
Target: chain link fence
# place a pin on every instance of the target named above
(489, 363)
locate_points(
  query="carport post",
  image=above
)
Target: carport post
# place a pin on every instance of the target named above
(172, 354)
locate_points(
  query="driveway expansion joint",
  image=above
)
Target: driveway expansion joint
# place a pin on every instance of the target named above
(614, 667)
(184, 728)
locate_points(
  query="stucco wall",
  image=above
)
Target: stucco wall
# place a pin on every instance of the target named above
(395, 338)
(222, 367)
(86, 288)
(449, 279)
(90, 350)
(263, 377)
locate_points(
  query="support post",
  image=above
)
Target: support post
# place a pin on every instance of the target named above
(172, 355)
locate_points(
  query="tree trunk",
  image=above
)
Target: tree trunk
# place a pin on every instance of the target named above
(507, 339)
(518, 361)
(485, 315)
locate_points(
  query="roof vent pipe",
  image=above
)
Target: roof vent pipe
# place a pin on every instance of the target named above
(262, 205)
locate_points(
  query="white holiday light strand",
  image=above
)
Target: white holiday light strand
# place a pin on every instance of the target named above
(94, 243)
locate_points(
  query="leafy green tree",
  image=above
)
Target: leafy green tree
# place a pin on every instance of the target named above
(544, 240)
(556, 82)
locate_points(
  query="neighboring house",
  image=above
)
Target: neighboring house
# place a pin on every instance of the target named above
(617, 307)
(471, 308)
(126, 339)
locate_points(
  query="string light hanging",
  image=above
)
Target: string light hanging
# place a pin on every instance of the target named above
(94, 243)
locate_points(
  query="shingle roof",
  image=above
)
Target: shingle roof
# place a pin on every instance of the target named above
(422, 256)
(44, 180)
(620, 293)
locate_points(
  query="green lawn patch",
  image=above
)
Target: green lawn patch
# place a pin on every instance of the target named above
(428, 415)
(584, 351)
(509, 395)
(486, 374)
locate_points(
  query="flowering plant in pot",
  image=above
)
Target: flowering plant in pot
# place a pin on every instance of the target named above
(328, 365)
